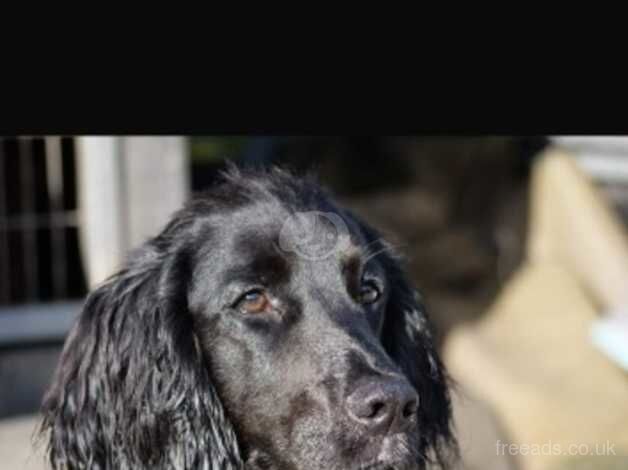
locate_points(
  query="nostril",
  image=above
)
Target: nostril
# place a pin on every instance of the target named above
(410, 408)
(384, 405)
(377, 409)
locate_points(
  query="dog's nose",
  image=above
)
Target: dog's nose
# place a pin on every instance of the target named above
(384, 405)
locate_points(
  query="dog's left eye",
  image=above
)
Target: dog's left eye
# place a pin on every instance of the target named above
(369, 292)
(255, 301)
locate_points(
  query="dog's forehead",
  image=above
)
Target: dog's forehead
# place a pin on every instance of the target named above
(273, 232)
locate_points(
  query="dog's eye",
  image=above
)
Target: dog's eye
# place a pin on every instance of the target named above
(255, 301)
(369, 292)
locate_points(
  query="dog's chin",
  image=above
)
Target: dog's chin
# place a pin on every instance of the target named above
(397, 452)
(388, 465)
(258, 460)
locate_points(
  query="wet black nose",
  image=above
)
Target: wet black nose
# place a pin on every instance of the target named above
(384, 405)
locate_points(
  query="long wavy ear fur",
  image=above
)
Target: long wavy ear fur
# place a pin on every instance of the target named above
(407, 338)
(131, 390)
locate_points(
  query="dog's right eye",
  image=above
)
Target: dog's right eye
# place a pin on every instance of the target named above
(369, 293)
(253, 302)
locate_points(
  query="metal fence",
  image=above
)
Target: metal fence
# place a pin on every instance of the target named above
(39, 248)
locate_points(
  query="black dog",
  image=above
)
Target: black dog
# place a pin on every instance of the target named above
(264, 328)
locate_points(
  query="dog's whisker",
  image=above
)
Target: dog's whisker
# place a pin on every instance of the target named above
(372, 255)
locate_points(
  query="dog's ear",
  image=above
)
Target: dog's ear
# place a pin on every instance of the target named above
(407, 338)
(131, 390)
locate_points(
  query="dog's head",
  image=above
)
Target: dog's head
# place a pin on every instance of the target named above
(264, 328)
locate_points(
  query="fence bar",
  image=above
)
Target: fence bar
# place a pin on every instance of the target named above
(29, 240)
(5, 278)
(54, 183)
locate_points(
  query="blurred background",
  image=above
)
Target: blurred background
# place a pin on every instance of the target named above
(518, 245)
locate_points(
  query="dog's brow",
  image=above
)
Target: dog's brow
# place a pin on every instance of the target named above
(260, 267)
